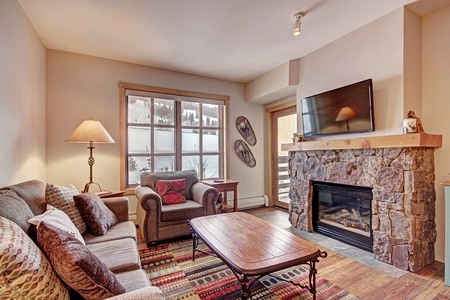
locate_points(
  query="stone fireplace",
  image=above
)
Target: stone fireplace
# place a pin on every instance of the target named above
(400, 172)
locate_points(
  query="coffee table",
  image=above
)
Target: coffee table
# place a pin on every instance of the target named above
(253, 248)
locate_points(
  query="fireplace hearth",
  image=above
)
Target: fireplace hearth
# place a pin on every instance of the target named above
(399, 171)
(343, 212)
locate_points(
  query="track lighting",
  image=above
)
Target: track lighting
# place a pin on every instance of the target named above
(298, 23)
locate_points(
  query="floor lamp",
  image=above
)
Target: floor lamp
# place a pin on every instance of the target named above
(91, 132)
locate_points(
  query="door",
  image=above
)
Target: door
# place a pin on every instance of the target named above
(283, 124)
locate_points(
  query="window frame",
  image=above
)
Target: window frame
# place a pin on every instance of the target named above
(174, 93)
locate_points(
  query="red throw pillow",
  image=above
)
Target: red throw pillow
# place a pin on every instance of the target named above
(171, 191)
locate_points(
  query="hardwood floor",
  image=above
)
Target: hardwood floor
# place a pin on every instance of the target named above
(363, 280)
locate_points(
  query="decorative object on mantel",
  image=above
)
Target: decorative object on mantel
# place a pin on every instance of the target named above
(412, 123)
(297, 138)
(244, 153)
(91, 132)
(246, 130)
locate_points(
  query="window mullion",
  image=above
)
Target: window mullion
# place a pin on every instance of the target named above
(178, 135)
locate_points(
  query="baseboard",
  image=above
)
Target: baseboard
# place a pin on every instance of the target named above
(439, 255)
(132, 217)
(251, 202)
(243, 203)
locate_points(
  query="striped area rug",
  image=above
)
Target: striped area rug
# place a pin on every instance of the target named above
(170, 267)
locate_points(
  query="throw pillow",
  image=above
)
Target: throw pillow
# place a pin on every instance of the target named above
(15, 209)
(95, 213)
(59, 219)
(76, 265)
(171, 191)
(25, 272)
(61, 197)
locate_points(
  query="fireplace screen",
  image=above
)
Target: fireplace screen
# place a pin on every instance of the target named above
(343, 212)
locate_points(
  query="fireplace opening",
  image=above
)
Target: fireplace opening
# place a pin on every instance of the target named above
(343, 212)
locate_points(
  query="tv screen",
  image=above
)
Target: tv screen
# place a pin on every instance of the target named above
(348, 109)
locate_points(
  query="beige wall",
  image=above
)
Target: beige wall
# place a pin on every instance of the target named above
(22, 97)
(436, 105)
(81, 87)
(373, 51)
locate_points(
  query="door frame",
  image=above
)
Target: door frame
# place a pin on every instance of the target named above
(271, 144)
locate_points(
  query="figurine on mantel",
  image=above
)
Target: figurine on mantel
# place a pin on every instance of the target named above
(412, 123)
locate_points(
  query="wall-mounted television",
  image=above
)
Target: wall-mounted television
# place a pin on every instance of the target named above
(348, 109)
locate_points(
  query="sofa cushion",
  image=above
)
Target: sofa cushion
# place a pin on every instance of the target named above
(133, 280)
(121, 230)
(149, 179)
(15, 209)
(33, 193)
(171, 191)
(61, 197)
(118, 255)
(76, 265)
(25, 272)
(55, 217)
(95, 213)
(182, 211)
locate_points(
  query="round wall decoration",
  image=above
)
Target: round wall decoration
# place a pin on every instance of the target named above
(246, 130)
(244, 153)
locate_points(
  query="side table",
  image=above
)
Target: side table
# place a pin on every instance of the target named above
(224, 186)
(110, 194)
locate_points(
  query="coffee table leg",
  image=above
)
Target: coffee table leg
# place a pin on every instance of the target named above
(246, 292)
(312, 279)
(194, 245)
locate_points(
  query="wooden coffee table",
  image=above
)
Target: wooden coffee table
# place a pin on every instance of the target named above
(252, 247)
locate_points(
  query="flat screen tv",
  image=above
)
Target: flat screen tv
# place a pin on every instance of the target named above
(347, 109)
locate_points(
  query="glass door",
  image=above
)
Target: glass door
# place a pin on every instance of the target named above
(283, 125)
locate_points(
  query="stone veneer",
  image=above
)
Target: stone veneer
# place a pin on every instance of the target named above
(403, 205)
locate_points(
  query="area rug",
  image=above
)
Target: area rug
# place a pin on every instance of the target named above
(170, 267)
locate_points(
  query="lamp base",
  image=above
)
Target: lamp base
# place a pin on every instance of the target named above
(86, 187)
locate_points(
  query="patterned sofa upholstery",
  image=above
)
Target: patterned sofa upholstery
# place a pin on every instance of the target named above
(26, 273)
(160, 222)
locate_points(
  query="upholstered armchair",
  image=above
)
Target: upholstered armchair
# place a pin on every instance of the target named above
(159, 221)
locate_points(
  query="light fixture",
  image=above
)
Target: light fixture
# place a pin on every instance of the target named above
(298, 23)
(345, 114)
(91, 132)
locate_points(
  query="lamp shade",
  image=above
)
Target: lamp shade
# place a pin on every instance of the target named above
(346, 113)
(90, 131)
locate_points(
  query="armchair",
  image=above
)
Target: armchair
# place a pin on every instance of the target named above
(160, 221)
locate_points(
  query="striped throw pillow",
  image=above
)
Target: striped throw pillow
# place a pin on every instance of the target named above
(25, 272)
(61, 197)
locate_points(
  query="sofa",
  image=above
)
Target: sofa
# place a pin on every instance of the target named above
(31, 272)
(160, 220)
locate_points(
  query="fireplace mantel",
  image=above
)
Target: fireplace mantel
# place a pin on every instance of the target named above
(412, 140)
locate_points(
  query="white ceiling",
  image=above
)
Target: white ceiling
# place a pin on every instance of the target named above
(236, 40)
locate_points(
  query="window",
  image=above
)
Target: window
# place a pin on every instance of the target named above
(166, 130)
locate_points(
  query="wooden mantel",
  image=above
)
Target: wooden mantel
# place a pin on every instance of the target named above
(410, 140)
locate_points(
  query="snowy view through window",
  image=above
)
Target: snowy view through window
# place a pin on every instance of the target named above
(152, 137)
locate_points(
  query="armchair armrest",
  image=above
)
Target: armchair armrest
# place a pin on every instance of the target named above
(119, 206)
(147, 293)
(148, 212)
(205, 195)
(147, 197)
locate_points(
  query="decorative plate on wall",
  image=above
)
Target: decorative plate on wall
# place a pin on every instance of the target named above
(244, 153)
(246, 130)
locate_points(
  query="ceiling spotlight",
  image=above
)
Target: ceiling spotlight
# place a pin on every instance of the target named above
(298, 23)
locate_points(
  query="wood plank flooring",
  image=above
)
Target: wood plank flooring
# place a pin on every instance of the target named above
(362, 280)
